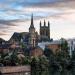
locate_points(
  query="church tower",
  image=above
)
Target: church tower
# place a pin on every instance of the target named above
(32, 34)
(44, 31)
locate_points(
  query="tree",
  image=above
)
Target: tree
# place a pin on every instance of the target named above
(25, 61)
(34, 65)
(64, 49)
(64, 45)
(43, 63)
(48, 53)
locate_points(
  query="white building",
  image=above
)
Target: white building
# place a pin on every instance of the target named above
(71, 45)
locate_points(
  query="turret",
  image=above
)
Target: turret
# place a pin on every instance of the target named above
(49, 28)
(40, 24)
(45, 31)
(48, 24)
(44, 23)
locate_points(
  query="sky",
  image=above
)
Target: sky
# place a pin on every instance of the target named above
(15, 16)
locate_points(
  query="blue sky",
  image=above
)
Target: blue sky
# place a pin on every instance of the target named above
(17, 5)
(15, 16)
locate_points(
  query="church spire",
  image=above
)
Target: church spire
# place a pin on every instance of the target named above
(32, 25)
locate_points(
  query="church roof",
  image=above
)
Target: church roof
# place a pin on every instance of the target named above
(24, 33)
(2, 40)
(16, 36)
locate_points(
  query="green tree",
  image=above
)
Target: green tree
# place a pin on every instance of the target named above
(64, 44)
(26, 61)
(43, 63)
(48, 53)
(64, 49)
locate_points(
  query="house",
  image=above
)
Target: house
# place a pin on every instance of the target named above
(54, 46)
(2, 41)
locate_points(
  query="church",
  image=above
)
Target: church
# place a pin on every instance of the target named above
(32, 38)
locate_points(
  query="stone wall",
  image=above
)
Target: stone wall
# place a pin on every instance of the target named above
(15, 70)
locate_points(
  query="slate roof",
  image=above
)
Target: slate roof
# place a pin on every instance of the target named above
(2, 40)
(4, 46)
(16, 36)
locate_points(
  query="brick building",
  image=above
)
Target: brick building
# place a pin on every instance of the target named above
(54, 46)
